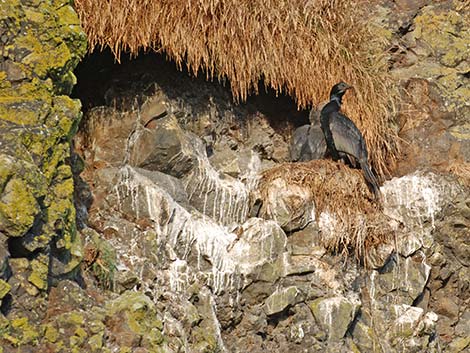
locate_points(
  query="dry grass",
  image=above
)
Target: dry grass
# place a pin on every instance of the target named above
(299, 47)
(460, 169)
(340, 193)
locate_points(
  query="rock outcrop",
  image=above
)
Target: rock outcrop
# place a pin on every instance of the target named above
(150, 229)
(41, 43)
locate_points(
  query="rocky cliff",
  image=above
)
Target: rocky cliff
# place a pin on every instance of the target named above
(41, 43)
(169, 219)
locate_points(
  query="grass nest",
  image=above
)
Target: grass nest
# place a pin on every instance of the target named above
(352, 221)
(297, 47)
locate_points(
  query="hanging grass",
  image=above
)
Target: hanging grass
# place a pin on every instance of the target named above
(298, 47)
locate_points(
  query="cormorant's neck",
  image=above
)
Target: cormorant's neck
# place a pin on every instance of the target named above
(338, 98)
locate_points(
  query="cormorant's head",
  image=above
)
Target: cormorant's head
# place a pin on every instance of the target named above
(338, 90)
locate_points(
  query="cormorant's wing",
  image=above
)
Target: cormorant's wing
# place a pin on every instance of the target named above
(346, 136)
(298, 142)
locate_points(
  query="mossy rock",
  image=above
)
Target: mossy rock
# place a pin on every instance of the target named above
(22, 332)
(42, 43)
(18, 208)
(205, 340)
(40, 271)
(140, 315)
(446, 32)
(4, 289)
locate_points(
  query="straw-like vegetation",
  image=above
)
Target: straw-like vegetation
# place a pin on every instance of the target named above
(461, 170)
(339, 193)
(299, 47)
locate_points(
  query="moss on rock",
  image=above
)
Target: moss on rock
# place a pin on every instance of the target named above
(18, 207)
(446, 32)
(4, 289)
(42, 42)
(40, 271)
(141, 316)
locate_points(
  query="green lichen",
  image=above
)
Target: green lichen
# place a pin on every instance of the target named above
(24, 332)
(206, 342)
(76, 318)
(78, 338)
(25, 104)
(43, 42)
(4, 289)
(141, 317)
(96, 342)
(76, 252)
(103, 266)
(18, 208)
(65, 115)
(13, 340)
(34, 15)
(446, 33)
(7, 165)
(19, 264)
(51, 334)
(40, 271)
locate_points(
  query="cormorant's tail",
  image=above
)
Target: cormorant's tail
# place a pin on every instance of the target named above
(371, 180)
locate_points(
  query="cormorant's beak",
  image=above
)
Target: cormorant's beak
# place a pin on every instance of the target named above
(348, 87)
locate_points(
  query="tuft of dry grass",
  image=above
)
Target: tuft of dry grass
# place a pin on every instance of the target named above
(460, 169)
(298, 47)
(340, 194)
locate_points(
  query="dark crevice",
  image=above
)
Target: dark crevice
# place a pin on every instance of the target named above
(17, 249)
(353, 323)
(101, 81)
(402, 30)
(390, 263)
(263, 335)
(6, 304)
(418, 300)
(275, 319)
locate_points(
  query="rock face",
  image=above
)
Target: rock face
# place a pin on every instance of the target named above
(225, 274)
(432, 65)
(41, 44)
(178, 250)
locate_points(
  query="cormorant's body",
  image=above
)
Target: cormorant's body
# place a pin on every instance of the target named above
(343, 137)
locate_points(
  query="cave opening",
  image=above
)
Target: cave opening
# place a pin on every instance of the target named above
(102, 81)
(123, 103)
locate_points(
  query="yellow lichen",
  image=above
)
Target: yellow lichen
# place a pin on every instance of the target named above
(38, 276)
(51, 334)
(18, 207)
(4, 289)
(26, 332)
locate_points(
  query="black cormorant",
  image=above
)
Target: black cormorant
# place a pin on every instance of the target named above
(343, 137)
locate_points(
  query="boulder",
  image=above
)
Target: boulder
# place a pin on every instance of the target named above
(404, 278)
(259, 242)
(334, 315)
(281, 299)
(264, 140)
(106, 134)
(290, 206)
(165, 148)
(417, 201)
(173, 186)
(219, 196)
(237, 164)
